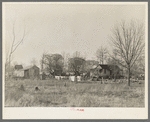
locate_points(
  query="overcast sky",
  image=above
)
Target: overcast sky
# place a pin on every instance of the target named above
(57, 28)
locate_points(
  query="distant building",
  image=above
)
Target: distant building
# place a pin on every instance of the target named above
(18, 72)
(31, 72)
(95, 71)
(105, 71)
(18, 67)
(27, 72)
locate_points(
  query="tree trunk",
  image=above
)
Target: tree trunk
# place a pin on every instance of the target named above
(128, 76)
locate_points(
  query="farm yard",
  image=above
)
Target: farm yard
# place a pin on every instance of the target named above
(64, 93)
(75, 60)
(74, 63)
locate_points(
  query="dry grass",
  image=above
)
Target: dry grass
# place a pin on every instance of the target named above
(54, 93)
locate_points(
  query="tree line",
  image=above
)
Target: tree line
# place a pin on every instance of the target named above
(127, 40)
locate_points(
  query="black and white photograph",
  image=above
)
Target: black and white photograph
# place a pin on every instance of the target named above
(76, 57)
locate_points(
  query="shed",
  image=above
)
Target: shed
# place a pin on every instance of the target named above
(31, 72)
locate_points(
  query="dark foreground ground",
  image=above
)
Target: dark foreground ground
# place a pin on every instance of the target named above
(64, 93)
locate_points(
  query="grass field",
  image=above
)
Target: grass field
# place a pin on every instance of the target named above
(54, 93)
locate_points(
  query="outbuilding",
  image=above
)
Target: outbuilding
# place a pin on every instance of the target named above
(31, 72)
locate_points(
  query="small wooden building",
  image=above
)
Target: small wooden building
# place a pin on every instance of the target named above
(31, 72)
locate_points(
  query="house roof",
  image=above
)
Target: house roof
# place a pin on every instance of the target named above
(94, 66)
(29, 67)
(105, 66)
(18, 67)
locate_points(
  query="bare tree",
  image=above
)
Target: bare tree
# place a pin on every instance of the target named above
(114, 66)
(42, 61)
(52, 63)
(16, 41)
(128, 41)
(76, 54)
(46, 62)
(77, 63)
(101, 54)
(66, 57)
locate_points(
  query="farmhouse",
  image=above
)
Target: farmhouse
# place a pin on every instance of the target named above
(95, 70)
(105, 71)
(31, 72)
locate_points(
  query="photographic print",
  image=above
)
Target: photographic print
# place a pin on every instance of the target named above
(75, 58)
